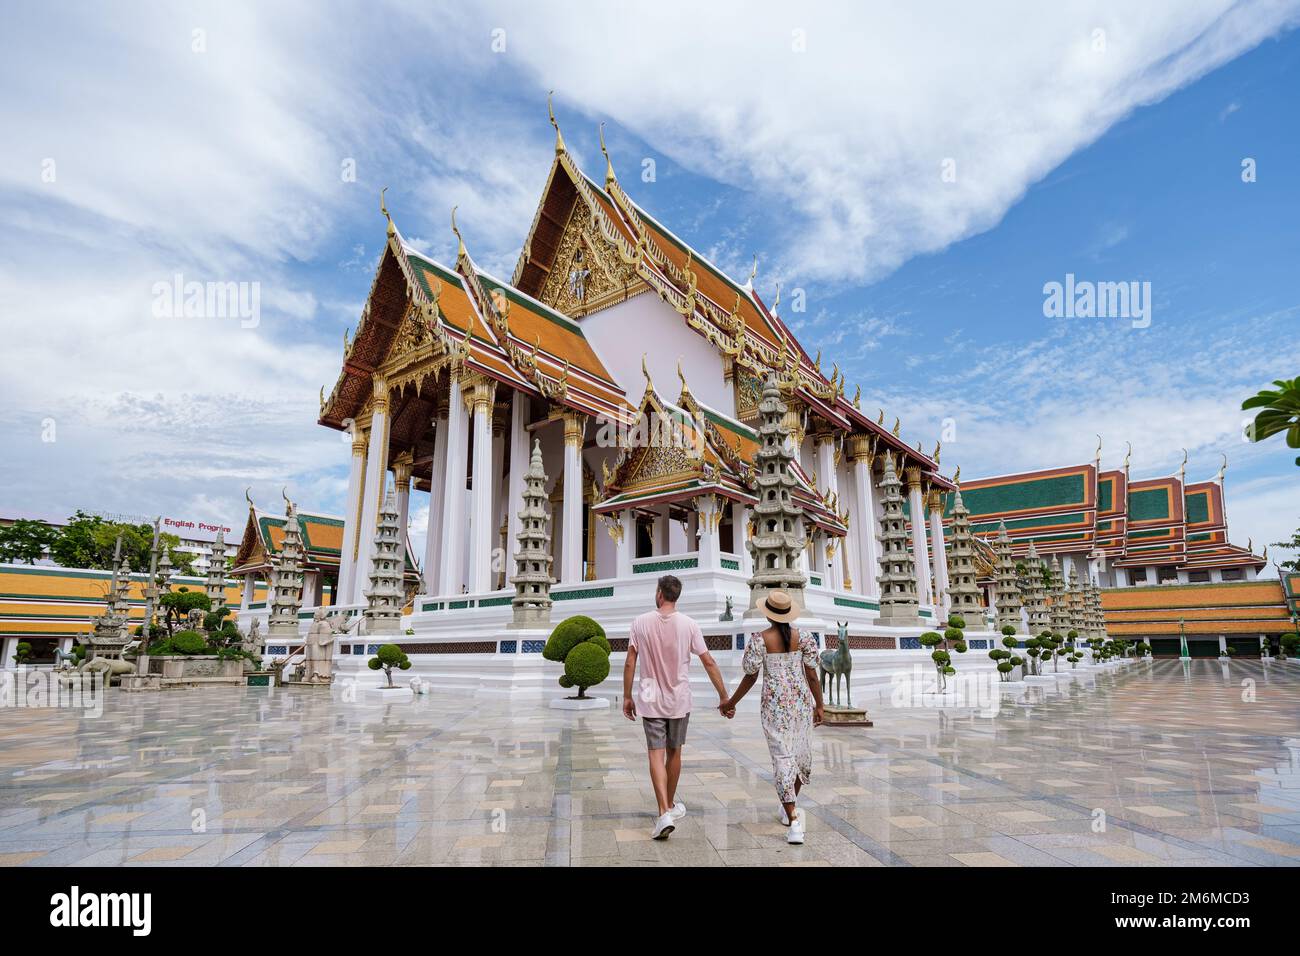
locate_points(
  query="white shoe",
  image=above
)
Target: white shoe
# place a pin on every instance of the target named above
(795, 835)
(678, 811)
(663, 826)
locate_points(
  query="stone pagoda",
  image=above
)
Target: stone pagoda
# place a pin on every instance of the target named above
(216, 584)
(1075, 605)
(385, 598)
(898, 603)
(1096, 617)
(532, 579)
(1058, 611)
(778, 540)
(1035, 594)
(1006, 587)
(286, 579)
(111, 629)
(963, 592)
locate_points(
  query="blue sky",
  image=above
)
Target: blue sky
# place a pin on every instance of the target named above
(1087, 138)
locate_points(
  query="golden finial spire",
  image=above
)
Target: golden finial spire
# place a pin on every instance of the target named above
(559, 140)
(938, 446)
(1128, 453)
(857, 396)
(681, 376)
(288, 505)
(460, 249)
(649, 383)
(249, 497)
(1222, 469)
(749, 283)
(1182, 469)
(609, 166)
(384, 209)
(956, 476)
(1097, 454)
(897, 425)
(881, 419)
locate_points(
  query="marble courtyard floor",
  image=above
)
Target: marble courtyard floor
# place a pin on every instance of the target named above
(1184, 770)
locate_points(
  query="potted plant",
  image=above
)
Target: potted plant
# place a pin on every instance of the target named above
(386, 658)
(23, 653)
(579, 642)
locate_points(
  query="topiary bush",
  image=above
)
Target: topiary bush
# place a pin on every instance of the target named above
(387, 657)
(581, 644)
(188, 642)
(22, 653)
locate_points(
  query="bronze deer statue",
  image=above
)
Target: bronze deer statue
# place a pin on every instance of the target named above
(838, 662)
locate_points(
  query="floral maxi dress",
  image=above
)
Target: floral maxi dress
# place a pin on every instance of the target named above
(787, 709)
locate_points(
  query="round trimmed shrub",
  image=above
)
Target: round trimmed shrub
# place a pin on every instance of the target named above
(569, 633)
(585, 666)
(189, 642)
(956, 620)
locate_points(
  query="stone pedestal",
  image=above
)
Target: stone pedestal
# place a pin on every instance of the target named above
(846, 717)
(573, 703)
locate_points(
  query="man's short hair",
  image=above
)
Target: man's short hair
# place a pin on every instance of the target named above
(670, 587)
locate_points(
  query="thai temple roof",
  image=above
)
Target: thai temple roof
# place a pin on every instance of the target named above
(1142, 522)
(322, 542)
(419, 308)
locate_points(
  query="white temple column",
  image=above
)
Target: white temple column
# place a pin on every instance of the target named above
(920, 551)
(518, 441)
(708, 542)
(479, 578)
(450, 567)
(663, 533)
(740, 536)
(865, 499)
(250, 587)
(572, 543)
(935, 503)
(626, 543)
(376, 471)
(351, 516)
(402, 468)
(437, 486)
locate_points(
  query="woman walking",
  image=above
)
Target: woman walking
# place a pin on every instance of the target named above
(792, 701)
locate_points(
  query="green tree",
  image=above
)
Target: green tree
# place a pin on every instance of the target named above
(388, 657)
(579, 642)
(176, 606)
(1279, 412)
(88, 541)
(26, 541)
(1294, 546)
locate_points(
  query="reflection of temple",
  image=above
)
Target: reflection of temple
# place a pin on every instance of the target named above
(638, 366)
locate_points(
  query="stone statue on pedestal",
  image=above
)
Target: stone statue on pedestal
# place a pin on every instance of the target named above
(318, 667)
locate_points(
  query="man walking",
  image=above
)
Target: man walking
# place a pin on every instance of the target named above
(663, 640)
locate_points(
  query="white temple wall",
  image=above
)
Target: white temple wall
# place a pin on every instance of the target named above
(646, 325)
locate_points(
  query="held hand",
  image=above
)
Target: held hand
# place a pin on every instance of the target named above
(726, 708)
(629, 708)
(819, 716)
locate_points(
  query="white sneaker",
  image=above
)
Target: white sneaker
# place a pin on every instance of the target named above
(678, 811)
(663, 826)
(795, 835)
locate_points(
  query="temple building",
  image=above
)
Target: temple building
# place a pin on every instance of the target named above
(1157, 548)
(637, 367)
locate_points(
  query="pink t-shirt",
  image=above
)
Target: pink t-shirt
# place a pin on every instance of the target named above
(664, 646)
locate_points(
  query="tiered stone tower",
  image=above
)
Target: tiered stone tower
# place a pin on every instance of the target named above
(1075, 603)
(1058, 612)
(898, 604)
(1006, 589)
(963, 591)
(1096, 617)
(112, 630)
(286, 579)
(216, 585)
(532, 579)
(778, 539)
(1035, 595)
(384, 597)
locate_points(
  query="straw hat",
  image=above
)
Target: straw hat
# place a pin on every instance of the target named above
(779, 607)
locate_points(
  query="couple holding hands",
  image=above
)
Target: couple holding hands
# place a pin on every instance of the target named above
(662, 642)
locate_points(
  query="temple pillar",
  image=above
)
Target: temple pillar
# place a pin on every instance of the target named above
(740, 536)
(517, 441)
(572, 543)
(868, 530)
(450, 566)
(437, 487)
(625, 541)
(920, 550)
(708, 516)
(402, 468)
(373, 490)
(663, 533)
(934, 501)
(351, 515)
(250, 588)
(478, 397)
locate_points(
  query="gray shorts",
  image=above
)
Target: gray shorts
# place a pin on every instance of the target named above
(661, 732)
